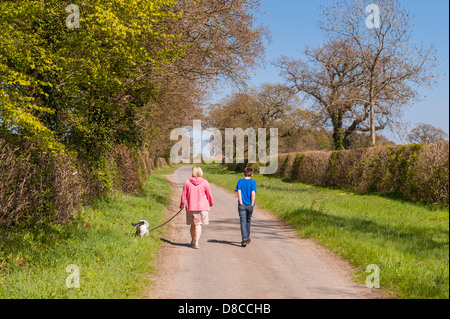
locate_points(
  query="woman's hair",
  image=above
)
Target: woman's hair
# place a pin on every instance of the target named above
(197, 172)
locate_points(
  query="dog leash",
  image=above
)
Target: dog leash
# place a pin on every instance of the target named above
(166, 221)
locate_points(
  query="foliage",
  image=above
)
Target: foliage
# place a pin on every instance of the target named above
(38, 188)
(415, 172)
(270, 106)
(44, 63)
(103, 97)
(426, 134)
(35, 187)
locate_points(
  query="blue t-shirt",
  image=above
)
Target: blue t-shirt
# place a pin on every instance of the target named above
(246, 186)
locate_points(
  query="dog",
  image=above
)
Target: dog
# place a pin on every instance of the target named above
(141, 228)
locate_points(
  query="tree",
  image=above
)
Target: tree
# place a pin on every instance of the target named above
(130, 73)
(103, 96)
(221, 41)
(393, 65)
(331, 77)
(269, 106)
(426, 134)
(63, 86)
(363, 140)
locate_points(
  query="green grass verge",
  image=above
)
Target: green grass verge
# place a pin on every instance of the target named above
(409, 242)
(112, 262)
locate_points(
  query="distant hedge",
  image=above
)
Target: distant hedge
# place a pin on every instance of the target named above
(37, 188)
(419, 173)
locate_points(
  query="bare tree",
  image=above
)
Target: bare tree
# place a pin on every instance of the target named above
(426, 134)
(269, 106)
(332, 78)
(221, 39)
(393, 65)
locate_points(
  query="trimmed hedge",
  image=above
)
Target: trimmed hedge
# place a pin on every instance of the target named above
(37, 187)
(417, 172)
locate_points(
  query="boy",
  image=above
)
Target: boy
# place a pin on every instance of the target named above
(246, 189)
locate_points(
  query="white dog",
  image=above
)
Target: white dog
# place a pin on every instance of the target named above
(142, 228)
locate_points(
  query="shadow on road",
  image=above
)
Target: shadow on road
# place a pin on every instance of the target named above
(224, 242)
(177, 244)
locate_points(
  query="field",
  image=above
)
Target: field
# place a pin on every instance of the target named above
(409, 242)
(112, 262)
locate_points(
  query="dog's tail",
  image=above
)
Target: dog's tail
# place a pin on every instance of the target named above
(138, 224)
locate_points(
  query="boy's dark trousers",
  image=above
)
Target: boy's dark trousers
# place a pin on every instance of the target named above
(245, 215)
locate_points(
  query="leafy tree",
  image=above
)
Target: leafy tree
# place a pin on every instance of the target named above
(71, 83)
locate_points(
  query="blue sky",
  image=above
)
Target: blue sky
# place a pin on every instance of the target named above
(293, 26)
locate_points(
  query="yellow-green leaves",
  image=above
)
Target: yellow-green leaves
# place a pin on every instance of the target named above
(48, 72)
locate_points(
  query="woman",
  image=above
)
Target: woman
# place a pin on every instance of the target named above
(198, 198)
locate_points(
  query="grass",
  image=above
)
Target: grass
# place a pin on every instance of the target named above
(99, 240)
(409, 242)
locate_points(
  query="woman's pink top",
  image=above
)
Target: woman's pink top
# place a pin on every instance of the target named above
(197, 195)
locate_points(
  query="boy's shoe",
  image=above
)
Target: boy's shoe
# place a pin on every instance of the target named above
(248, 241)
(244, 243)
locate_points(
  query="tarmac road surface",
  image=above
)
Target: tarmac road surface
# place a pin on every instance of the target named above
(276, 265)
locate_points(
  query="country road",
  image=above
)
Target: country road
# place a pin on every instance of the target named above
(276, 265)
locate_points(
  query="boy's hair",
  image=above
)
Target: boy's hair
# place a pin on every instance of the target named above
(197, 172)
(248, 171)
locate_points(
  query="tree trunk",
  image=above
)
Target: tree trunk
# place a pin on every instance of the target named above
(338, 132)
(373, 136)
